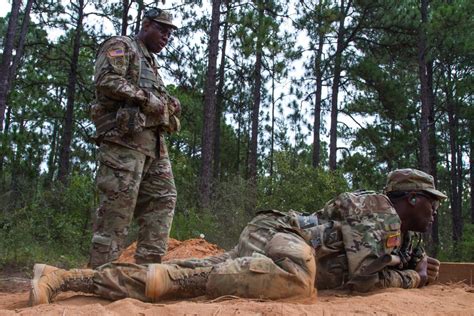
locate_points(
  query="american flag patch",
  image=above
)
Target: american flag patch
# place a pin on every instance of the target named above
(393, 240)
(116, 52)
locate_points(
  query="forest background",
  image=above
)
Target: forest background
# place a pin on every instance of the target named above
(267, 89)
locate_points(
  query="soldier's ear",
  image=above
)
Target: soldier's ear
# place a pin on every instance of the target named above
(146, 23)
(412, 199)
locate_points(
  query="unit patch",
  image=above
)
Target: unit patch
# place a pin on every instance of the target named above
(393, 240)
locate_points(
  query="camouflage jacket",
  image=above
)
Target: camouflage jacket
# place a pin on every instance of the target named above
(353, 230)
(125, 72)
(356, 229)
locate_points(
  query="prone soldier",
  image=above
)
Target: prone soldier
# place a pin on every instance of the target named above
(280, 255)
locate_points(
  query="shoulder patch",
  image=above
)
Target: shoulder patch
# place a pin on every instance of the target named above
(393, 240)
(116, 52)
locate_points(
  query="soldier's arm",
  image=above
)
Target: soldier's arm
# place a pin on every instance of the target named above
(406, 279)
(113, 62)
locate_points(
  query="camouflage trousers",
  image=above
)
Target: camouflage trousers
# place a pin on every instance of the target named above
(132, 185)
(287, 269)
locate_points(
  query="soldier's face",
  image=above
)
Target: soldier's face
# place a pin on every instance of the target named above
(422, 215)
(157, 36)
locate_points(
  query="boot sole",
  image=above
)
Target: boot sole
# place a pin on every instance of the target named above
(34, 291)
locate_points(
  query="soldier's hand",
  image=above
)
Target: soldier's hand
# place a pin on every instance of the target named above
(433, 269)
(422, 269)
(176, 106)
(153, 105)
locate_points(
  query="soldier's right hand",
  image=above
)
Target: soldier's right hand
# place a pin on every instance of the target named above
(433, 269)
(422, 270)
(154, 106)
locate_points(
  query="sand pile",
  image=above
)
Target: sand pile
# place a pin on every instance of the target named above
(191, 248)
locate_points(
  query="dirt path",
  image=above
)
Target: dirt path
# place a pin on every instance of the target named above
(454, 299)
(434, 300)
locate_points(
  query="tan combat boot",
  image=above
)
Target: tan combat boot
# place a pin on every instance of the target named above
(165, 280)
(49, 281)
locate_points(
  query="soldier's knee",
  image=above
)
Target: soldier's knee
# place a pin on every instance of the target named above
(293, 247)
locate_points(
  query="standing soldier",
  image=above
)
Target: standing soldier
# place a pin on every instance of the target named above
(132, 113)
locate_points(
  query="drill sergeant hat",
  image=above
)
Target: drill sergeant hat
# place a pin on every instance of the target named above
(412, 180)
(160, 16)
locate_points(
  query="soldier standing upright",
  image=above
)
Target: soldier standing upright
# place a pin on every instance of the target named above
(132, 113)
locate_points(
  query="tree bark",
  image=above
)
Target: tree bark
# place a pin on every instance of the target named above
(52, 154)
(453, 140)
(252, 164)
(471, 169)
(141, 8)
(5, 148)
(20, 45)
(335, 88)
(7, 57)
(220, 100)
(64, 157)
(11, 78)
(126, 7)
(424, 93)
(209, 110)
(317, 104)
(433, 157)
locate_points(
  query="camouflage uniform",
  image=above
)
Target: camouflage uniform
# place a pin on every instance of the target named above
(272, 260)
(275, 255)
(134, 177)
(358, 228)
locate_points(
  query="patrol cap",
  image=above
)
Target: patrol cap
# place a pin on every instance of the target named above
(412, 180)
(160, 16)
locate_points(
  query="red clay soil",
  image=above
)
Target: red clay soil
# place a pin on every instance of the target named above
(439, 299)
(191, 248)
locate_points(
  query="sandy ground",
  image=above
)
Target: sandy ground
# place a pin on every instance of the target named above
(439, 299)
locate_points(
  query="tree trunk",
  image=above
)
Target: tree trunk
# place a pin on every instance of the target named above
(7, 57)
(20, 45)
(459, 174)
(335, 89)
(471, 169)
(11, 78)
(5, 148)
(16, 170)
(252, 164)
(141, 8)
(239, 137)
(220, 101)
(126, 7)
(272, 127)
(317, 104)
(424, 93)
(52, 154)
(209, 110)
(453, 140)
(64, 157)
(435, 242)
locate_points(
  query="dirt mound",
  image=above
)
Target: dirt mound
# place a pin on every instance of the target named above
(191, 248)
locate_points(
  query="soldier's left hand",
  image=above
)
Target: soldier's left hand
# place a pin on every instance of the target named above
(433, 269)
